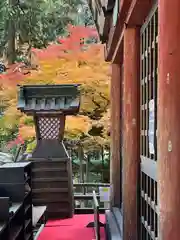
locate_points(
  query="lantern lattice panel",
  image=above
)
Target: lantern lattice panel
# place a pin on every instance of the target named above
(49, 127)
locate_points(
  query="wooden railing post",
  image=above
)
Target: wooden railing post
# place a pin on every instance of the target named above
(96, 216)
(96, 224)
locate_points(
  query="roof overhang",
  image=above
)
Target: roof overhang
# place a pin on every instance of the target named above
(102, 12)
(132, 13)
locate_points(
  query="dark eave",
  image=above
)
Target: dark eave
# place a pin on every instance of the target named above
(108, 5)
(102, 12)
(132, 13)
(116, 30)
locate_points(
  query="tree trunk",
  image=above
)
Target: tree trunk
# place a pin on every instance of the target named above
(81, 169)
(102, 173)
(11, 49)
(87, 178)
(87, 169)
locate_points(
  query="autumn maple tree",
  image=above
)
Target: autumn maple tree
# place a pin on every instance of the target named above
(70, 60)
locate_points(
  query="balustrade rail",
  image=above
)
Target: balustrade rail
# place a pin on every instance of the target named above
(96, 216)
(83, 197)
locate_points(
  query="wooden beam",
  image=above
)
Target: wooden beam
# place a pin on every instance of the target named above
(116, 31)
(131, 132)
(168, 118)
(135, 16)
(102, 19)
(115, 163)
(118, 51)
(138, 12)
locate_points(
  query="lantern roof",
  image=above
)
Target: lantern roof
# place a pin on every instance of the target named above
(64, 99)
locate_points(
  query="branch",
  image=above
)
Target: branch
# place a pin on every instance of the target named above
(95, 103)
(101, 95)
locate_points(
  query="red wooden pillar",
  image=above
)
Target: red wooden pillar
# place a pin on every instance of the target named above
(169, 119)
(115, 175)
(131, 148)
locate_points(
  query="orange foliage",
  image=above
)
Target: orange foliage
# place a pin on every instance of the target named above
(26, 131)
(71, 44)
(71, 61)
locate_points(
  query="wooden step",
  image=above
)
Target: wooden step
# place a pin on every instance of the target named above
(49, 173)
(49, 184)
(54, 179)
(50, 164)
(49, 169)
(34, 160)
(42, 201)
(50, 190)
(50, 196)
(57, 210)
(55, 205)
